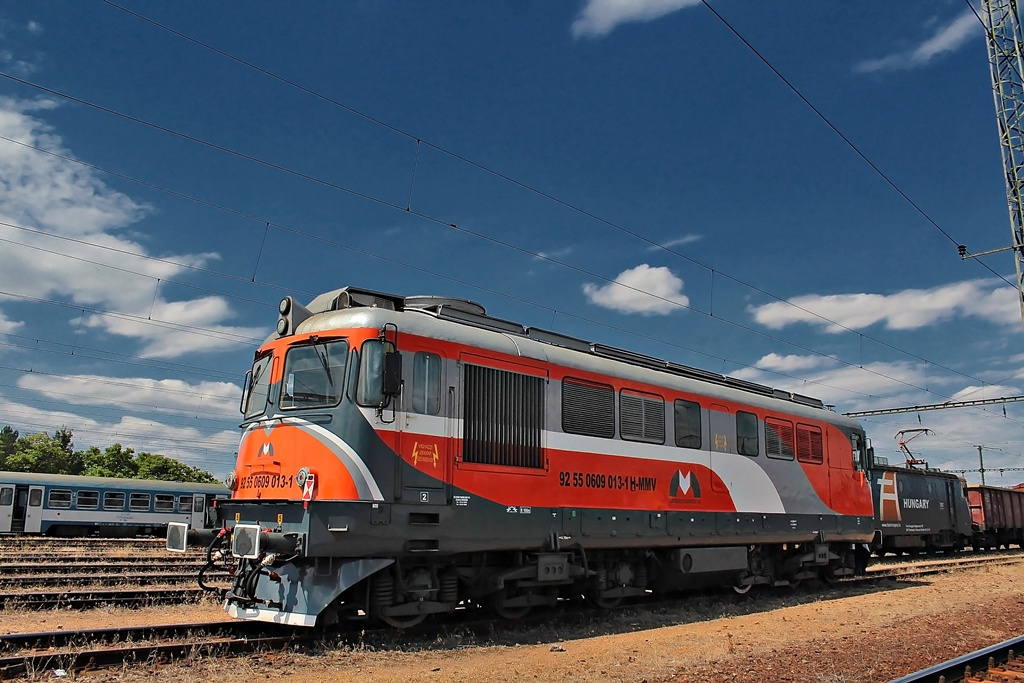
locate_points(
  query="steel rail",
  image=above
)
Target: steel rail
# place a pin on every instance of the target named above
(83, 598)
(964, 668)
(34, 652)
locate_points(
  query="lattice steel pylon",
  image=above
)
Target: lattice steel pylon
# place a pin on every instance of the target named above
(1005, 41)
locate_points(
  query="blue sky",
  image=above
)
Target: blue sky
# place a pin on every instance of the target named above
(626, 172)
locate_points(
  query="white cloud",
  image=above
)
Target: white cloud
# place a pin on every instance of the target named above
(678, 242)
(18, 67)
(61, 198)
(907, 310)
(600, 17)
(889, 385)
(947, 39)
(986, 392)
(212, 451)
(209, 399)
(850, 387)
(161, 341)
(7, 326)
(791, 363)
(35, 27)
(555, 254)
(644, 290)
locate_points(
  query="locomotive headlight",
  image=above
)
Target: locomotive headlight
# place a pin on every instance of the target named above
(177, 537)
(285, 305)
(282, 326)
(302, 476)
(245, 541)
(231, 481)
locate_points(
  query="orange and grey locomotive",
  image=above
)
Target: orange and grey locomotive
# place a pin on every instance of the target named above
(405, 455)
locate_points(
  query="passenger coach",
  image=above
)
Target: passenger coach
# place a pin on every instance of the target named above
(74, 506)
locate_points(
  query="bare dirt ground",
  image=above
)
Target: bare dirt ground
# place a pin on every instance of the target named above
(825, 636)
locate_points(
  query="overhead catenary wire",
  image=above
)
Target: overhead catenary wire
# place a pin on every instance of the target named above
(784, 341)
(420, 140)
(465, 230)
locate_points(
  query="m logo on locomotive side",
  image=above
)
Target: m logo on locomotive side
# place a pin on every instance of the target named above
(684, 486)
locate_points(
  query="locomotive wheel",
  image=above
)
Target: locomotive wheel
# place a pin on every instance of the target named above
(500, 603)
(594, 597)
(403, 621)
(742, 588)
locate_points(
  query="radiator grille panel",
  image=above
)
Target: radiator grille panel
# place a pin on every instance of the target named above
(503, 418)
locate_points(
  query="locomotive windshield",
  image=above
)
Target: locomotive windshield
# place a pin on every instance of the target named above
(256, 400)
(314, 375)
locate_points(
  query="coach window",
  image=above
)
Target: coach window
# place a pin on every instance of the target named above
(687, 424)
(59, 498)
(809, 446)
(35, 498)
(163, 503)
(88, 500)
(746, 433)
(198, 506)
(184, 503)
(6, 497)
(778, 438)
(426, 383)
(259, 387)
(641, 416)
(588, 408)
(314, 375)
(113, 500)
(139, 502)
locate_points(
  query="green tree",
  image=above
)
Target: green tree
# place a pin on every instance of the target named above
(155, 466)
(57, 455)
(8, 440)
(114, 461)
(39, 453)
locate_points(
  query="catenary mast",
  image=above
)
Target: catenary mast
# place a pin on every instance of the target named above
(1004, 38)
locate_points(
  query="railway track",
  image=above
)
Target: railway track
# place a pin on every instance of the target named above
(42, 563)
(78, 590)
(87, 598)
(127, 578)
(31, 654)
(1002, 662)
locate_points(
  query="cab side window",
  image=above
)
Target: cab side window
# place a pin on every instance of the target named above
(747, 442)
(426, 383)
(687, 424)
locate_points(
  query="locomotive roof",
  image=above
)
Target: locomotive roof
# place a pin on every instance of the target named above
(466, 321)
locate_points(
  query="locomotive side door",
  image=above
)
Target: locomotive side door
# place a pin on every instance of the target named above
(424, 439)
(6, 507)
(722, 440)
(950, 504)
(34, 510)
(198, 520)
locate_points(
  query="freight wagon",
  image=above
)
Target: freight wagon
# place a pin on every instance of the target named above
(998, 516)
